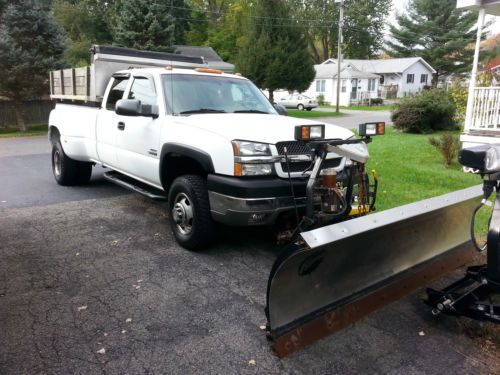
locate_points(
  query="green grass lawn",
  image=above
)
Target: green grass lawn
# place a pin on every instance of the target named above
(33, 130)
(312, 114)
(410, 169)
(385, 107)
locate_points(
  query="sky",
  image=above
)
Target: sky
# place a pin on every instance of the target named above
(400, 5)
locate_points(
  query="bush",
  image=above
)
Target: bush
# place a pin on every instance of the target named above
(321, 99)
(425, 112)
(448, 145)
(377, 101)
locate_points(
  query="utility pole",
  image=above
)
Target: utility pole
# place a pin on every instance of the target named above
(339, 50)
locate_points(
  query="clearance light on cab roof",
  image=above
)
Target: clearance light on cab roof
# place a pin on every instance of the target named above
(208, 70)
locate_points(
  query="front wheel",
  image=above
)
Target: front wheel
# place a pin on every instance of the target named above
(190, 217)
(300, 107)
(67, 171)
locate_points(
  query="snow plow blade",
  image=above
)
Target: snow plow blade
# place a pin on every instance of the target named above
(337, 274)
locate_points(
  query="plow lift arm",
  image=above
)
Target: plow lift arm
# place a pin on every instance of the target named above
(333, 275)
(474, 295)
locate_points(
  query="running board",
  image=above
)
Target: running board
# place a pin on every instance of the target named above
(135, 186)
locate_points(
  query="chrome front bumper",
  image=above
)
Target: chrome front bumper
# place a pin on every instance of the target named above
(249, 212)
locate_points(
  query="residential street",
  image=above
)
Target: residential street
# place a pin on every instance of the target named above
(353, 118)
(92, 281)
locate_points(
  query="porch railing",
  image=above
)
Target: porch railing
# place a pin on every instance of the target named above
(486, 109)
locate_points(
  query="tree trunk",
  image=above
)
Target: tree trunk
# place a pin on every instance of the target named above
(271, 96)
(18, 108)
(435, 78)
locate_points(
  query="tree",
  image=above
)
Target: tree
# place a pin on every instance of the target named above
(31, 44)
(436, 31)
(85, 22)
(151, 24)
(364, 22)
(274, 55)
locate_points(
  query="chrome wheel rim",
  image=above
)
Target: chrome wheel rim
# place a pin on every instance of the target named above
(57, 163)
(182, 214)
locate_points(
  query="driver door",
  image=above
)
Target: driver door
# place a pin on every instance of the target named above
(138, 141)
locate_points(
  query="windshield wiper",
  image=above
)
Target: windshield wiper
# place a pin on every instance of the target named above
(251, 111)
(203, 110)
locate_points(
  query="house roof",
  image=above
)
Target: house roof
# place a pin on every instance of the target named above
(347, 71)
(208, 53)
(384, 66)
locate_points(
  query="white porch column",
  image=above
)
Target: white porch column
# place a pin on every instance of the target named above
(473, 76)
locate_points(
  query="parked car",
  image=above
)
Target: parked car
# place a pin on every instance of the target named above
(299, 101)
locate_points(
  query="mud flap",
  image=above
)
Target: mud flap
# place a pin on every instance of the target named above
(335, 275)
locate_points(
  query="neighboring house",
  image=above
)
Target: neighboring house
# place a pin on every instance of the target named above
(398, 77)
(482, 120)
(208, 53)
(356, 86)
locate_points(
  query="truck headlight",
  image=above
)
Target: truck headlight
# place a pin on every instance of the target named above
(241, 169)
(252, 159)
(244, 148)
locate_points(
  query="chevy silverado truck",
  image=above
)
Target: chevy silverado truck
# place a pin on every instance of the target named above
(207, 141)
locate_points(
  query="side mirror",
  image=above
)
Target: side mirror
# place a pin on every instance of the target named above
(133, 107)
(280, 109)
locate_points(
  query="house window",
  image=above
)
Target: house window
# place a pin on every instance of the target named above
(344, 85)
(382, 80)
(410, 78)
(423, 78)
(320, 85)
(371, 84)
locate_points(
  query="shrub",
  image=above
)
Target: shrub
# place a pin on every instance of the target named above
(448, 145)
(377, 101)
(321, 99)
(425, 112)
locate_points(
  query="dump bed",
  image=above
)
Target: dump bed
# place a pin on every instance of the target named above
(87, 84)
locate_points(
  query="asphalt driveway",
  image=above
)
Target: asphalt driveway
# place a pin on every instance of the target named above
(92, 281)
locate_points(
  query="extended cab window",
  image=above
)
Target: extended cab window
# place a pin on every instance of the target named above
(116, 93)
(143, 89)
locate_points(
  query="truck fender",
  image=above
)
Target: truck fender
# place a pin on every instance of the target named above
(200, 161)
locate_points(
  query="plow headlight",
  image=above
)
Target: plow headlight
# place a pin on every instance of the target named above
(309, 132)
(371, 128)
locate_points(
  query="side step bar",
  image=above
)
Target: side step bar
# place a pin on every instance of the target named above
(135, 186)
(337, 274)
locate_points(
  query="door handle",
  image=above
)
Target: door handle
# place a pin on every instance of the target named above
(121, 125)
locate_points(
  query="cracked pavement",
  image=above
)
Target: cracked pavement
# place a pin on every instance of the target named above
(92, 281)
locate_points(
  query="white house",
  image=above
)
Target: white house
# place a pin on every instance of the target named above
(398, 77)
(356, 86)
(482, 120)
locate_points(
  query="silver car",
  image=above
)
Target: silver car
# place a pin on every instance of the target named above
(299, 101)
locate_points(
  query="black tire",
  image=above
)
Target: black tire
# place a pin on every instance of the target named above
(309, 109)
(68, 172)
(190, 217)
(300, 107)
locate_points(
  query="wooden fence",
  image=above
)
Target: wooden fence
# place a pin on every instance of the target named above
(35, 112)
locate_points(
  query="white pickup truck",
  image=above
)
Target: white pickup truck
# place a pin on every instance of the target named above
(209, 142)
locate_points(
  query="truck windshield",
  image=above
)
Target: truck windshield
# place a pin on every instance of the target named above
(192, 94)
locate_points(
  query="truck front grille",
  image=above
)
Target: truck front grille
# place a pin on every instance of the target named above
(301, 166)
(301, 148)
(293, 148)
